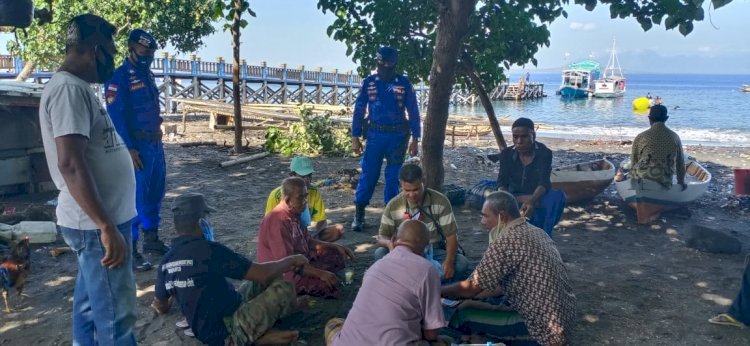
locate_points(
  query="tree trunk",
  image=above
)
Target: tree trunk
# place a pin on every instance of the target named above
(236, 76)
(28, 69)
(453, 23)
(473, 74)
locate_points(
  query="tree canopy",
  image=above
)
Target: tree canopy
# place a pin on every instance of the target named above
(181, 23)
(442, 41)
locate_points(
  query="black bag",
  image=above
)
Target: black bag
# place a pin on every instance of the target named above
(16, 13)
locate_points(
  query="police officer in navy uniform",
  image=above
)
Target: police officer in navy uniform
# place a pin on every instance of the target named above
(385, 97)
(133, 103)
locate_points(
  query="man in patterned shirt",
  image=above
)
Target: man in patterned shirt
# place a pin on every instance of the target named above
(657, 152)
(524, 266)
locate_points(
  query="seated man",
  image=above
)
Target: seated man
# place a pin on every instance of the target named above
(523, 265)
(738, 314)
(657, 152)
(281, 234)
(194, 272)
(416, 202)
(525, 172)
(399, 301)
(315, 213)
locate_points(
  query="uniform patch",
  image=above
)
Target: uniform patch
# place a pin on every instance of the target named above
(112, 87)
(137, 86)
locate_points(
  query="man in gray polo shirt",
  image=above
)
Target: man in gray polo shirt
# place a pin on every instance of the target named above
(91, 167)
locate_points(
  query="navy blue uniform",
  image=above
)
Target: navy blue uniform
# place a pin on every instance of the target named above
(133, 105)
(388, 132)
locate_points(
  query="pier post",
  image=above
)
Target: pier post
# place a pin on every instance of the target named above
(167, 80)
(220, 69)
(196, 80)
(243, 82)
(283, 83)
(319, 89)
(335, 98)
(264, 88)
(302, 91)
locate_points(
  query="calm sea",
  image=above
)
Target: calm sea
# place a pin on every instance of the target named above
(703, 109)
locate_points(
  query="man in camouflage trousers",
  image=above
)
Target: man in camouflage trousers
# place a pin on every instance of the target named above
(194, 272)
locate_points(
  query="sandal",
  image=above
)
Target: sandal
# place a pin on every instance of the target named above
(182, 324)
(726, 320)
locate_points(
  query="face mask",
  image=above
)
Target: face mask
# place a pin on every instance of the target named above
(386, 73)
(105, 66)
(142, 61)
(208, 230)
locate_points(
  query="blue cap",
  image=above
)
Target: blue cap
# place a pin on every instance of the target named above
(143, 38)
(387, 54)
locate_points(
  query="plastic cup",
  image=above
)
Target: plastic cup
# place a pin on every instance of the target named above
(349, 277)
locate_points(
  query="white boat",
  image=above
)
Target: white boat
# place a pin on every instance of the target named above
(745, 88)
(583, 181)
(650, 199)
(612, 83)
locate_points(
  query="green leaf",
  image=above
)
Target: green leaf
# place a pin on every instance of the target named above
(670, 23)
(686, 28)
(243, 23)
(720, 3)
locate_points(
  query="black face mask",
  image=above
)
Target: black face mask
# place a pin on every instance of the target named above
(105, 66)
(386, 73)
(142, 62)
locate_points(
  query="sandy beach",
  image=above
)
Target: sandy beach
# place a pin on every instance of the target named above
(635, 284)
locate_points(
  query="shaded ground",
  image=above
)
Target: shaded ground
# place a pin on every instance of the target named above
(634, 284)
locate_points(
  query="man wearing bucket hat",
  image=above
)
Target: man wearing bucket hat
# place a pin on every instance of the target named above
(133, 103)
(385, 97)
(194, 273)
(315, 214)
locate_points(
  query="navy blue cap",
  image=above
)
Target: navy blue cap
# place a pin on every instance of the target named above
(143, 38)
(387, 54)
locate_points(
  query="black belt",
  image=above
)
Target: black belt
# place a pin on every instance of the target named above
(403, 127)
(146, 136)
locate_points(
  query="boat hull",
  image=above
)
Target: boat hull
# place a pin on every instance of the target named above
(609, 95)
(583, 181)
(650, 199)
(573, 93)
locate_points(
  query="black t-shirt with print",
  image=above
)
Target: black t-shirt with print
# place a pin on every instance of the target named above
(194, 272)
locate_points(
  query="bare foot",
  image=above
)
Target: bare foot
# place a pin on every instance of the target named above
(278, 337)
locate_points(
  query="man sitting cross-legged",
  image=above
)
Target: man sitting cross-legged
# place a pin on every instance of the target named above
(416, 202)
(281, 234)
(521, 264)
(194, 272)
(399, 301)
(315, 213)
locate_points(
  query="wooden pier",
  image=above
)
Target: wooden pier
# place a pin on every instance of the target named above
(518, 91)
(194, 79)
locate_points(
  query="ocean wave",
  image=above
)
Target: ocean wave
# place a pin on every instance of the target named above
(689, 136)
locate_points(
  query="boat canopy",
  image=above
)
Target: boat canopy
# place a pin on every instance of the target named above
(588, 65)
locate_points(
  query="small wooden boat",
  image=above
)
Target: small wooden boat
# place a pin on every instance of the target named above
(650, 199)
(467, 130)
(583, 181)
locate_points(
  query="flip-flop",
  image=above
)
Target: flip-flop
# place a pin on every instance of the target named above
(726, 320)
(189, 332)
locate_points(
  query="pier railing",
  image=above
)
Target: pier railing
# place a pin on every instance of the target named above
(194, 78)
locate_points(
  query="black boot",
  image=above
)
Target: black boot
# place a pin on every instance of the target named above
(359, 219)
(139, 263)
(152, 244)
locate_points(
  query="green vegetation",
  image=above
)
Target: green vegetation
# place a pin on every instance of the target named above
(315, 135)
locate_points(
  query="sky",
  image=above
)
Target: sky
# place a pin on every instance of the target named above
(294, 32)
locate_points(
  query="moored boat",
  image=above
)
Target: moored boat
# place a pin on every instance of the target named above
(745, 88)
(583, 181)
(578, 79)
(650, 199)
(612, 83)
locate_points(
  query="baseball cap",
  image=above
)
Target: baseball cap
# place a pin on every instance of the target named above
(143, 38)
(191, 204)
(302, 165)
(387, 54)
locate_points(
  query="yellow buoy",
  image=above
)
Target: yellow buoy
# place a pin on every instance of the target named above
(641, 104)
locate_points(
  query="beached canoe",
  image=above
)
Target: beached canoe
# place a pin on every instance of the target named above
(583, 181)
(468, 130)
(649, 199)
